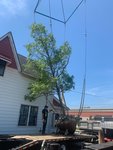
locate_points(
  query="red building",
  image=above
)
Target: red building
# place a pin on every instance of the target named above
(92, 113)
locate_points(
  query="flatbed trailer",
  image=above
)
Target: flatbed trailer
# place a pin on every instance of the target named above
(102, 146)
(38, 139)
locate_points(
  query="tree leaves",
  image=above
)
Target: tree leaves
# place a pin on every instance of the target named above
(49, 64)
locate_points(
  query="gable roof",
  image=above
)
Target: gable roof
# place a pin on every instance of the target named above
(23, 61)
(9, 54)
(8, 51)
(56, 103)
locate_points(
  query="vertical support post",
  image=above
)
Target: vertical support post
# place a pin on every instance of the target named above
(100, 136)
(43, 144)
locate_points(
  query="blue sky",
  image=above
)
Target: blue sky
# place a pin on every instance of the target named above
(17, 18)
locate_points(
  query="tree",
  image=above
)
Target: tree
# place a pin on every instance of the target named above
(48, 63)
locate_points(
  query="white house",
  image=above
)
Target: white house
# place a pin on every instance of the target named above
(18, 116)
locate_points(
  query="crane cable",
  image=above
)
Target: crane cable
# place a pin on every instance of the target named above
(65, 21)
(85, 69)
(50, 17)
(37, 4)
(51, 28)
(63, 12)
(50, 14)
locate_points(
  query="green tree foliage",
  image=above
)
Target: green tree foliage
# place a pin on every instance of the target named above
(48, 64)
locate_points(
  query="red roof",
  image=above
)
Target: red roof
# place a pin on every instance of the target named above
(7, 52)
(93, 112)
(56, 103)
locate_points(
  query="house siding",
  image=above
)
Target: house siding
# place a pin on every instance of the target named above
(13, 87)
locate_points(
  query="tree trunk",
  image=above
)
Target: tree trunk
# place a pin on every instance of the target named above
(60, 99)
(46, 96)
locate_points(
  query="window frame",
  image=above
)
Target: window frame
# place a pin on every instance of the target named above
(21, 116)
(29, 114)
(2, 66)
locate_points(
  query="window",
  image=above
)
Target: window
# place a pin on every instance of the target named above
(33, 116)
(2, 67)
(23, 115)
(28, 115)
(54, 119)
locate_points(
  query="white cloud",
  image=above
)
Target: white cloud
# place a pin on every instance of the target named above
(12, 7)
(103, 92)
(93, 91)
